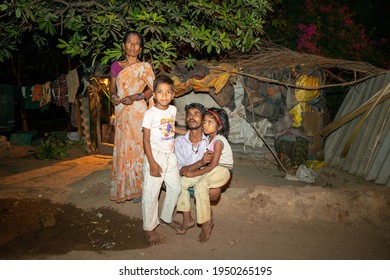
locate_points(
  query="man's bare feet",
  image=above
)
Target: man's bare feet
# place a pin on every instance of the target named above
(205, 233)
(175, 225)
(153, 238)
(188, 222)
(186, 226)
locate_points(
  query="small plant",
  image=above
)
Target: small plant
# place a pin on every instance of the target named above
(56, 145)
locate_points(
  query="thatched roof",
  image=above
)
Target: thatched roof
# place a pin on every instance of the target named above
(278, 58)
(274, 59)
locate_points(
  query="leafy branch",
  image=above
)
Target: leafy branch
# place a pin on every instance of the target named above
(93, 30)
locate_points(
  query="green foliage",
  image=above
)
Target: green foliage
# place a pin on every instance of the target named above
(56, 145)
(93, 30)
(190, 61)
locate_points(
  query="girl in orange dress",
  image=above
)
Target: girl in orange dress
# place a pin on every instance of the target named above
(131, 82)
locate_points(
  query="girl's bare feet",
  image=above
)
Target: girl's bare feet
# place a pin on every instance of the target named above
(205, 233)
(153, 238)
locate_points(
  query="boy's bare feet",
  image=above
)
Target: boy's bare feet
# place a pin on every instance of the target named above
(153, 238)
(205, 233)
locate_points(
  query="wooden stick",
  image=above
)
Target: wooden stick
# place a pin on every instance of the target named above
(269, 148)
(352, 115)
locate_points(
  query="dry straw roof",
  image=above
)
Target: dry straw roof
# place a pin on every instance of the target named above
(273, 58)
(278, 58)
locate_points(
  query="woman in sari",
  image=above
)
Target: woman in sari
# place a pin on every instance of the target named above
(131, 82)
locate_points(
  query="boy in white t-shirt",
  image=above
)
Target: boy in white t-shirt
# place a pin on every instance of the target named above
(160, 163)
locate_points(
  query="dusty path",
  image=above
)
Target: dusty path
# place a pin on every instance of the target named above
(260, 216)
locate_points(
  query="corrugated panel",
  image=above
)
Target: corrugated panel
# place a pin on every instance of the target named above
(369, 154)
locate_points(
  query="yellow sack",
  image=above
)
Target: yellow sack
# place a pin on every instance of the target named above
(303, 96)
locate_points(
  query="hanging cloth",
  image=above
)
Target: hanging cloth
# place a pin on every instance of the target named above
(46, 97)
(303, 96)
(60, 90)
(37, 92)
(28, 103)
(72, 80)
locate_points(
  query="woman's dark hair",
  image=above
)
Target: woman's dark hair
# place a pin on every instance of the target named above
(163, 79)
(198, 106)
(141, 39)
(221, 117)
(134, 33)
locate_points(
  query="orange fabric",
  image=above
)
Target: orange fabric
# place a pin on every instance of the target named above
(217, 79)
(128, 155)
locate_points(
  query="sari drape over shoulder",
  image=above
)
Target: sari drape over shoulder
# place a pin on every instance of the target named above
(128, 155)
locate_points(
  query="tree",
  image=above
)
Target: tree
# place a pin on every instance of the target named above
(92, 30)
(328, 28)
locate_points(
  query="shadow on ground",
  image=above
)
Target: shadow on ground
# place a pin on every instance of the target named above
(38, 227)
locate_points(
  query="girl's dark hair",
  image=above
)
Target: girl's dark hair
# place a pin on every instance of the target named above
(141, 39)
(223, 120)
(198, 106)
(163, 79)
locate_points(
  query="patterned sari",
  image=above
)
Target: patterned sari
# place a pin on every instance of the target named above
(128, 155)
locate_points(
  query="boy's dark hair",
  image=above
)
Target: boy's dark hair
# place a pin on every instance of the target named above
(198, 106)
(223, 120)
(163, 79)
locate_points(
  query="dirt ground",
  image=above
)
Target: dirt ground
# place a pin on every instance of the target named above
(59, 209)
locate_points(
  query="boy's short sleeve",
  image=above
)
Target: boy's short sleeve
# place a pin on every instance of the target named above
(147, 120)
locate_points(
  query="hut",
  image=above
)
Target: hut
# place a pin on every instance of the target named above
(257, 90)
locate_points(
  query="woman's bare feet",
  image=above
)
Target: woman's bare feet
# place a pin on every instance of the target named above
(153, 238)
(205, 233)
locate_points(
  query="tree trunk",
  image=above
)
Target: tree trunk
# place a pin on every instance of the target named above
(22, 111)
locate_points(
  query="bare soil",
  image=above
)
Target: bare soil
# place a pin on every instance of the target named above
(60, 209)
